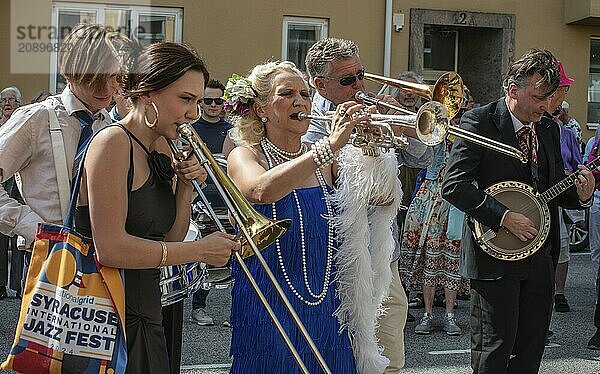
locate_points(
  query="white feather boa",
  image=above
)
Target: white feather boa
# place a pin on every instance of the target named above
(366, 246)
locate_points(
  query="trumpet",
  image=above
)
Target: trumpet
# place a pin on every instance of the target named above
(257, 233)
(428, 122)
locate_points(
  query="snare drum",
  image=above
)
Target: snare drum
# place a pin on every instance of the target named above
(180, 281)
(217, 278)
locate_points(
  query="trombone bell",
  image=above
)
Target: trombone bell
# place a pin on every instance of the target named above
(431, 123)
(448, 89)
(262, 230)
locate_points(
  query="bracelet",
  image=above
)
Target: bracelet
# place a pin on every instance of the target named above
(315, 155)
(322, 154)
(327, 145)
(163, 259)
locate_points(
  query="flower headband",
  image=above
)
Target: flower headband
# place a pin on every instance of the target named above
(238, 95)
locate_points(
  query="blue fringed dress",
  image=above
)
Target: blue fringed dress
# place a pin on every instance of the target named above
(256, 345)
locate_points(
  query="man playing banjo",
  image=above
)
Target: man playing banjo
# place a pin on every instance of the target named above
(511, 292)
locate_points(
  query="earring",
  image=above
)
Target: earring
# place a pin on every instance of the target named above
(264, 119)
(148, 123)
(199, 114)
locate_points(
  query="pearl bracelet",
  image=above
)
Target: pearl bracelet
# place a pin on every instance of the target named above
(322, 153)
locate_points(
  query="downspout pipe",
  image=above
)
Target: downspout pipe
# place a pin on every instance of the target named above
(387, 51)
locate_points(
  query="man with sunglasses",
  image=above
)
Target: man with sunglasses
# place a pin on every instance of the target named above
(211, 126)
(212, 129)
(337, 74)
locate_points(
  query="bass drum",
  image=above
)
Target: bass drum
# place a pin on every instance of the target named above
(180, 281)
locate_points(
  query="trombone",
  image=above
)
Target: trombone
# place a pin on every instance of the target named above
(448, 89)
(257, 232)
(430, 123)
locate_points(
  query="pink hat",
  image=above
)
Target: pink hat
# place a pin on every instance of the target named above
(564, 80)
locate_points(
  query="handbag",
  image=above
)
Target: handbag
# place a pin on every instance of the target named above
(72, 317)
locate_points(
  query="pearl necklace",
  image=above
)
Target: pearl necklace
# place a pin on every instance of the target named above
(279, 154)
(317, 298)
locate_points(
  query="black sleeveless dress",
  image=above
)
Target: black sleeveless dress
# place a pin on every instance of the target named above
(151, 348)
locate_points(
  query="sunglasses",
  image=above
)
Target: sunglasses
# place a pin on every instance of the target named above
(350, 80)
(210, 100)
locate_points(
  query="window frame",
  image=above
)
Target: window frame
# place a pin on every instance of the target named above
(590, 125)
(432, 75)
(100, 10)
(323, 23)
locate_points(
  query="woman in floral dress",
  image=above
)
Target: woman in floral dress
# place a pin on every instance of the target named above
(428, 259)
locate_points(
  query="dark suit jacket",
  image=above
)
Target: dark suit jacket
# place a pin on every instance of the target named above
(472, 168)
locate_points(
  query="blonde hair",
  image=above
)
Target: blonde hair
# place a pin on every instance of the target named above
(249, 129)
(85, 58)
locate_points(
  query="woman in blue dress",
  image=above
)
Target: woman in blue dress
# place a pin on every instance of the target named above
(287, 179)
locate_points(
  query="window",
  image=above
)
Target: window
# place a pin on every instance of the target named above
(155, 28)
(146, 24)
(299, 34)
(440, 51)
(593, 116)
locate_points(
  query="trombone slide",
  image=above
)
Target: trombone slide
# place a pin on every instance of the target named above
(255, 229)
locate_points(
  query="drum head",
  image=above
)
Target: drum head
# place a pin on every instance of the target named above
(517, 197)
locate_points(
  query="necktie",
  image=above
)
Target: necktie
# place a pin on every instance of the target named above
(86, 121)
(528, 142)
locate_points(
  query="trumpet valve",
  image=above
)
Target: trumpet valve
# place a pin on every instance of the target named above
(400, 142)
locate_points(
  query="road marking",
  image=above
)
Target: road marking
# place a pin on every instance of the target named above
(579, 254)
(450, 352)
(206, 366)
(463, 351)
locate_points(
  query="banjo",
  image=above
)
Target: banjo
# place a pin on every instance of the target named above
(519, 197)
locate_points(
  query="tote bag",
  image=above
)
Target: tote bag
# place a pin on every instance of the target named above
(73, 308)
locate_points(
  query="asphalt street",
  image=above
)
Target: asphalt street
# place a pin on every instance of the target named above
(206, 349)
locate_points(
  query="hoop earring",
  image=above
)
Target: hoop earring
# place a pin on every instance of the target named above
(199, 114)
(264, 119)
(148, 123)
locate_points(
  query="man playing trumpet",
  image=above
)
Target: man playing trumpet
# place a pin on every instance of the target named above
(337, 73)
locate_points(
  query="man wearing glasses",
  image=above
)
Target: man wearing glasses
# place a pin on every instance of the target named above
(211, 126)
(337, 74)
(10, 100)
(212, 129)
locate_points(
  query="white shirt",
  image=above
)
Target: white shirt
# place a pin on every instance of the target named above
(26, 148)
(517, 124)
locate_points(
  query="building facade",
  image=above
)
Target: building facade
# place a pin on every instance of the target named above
(476, 39)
